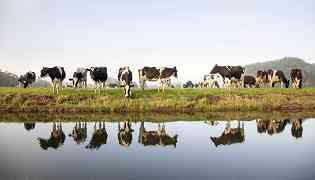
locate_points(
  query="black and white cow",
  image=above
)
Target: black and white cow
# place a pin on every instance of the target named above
(275, 76)
(99, 76)
(80, 77)
(162, 75)
(213, 80)
(296, 78)
(229, 73)
(57, 74)
(27, 79)
(249, 81)
(125, 80)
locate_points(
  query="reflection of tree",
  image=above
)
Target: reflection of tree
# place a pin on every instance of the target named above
(154, 138)
(79, 132)
(297, 129)
(271, 126)
(57, 138)
(99, 137)
(29, 126)
(125, 134)
(230, 135)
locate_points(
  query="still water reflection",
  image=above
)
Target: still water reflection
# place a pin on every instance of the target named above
(257, 149)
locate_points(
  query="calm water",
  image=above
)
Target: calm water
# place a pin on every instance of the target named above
(257, 149)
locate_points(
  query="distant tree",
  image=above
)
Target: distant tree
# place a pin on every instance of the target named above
(8, 79)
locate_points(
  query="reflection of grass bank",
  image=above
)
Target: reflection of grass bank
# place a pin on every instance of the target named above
(152, 117)
(173, 100)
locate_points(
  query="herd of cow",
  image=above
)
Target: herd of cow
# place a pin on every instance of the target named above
(219, 77)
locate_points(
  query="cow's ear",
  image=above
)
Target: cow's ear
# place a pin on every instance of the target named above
(175, 67)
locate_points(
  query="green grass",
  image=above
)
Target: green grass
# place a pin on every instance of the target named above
(172, 100)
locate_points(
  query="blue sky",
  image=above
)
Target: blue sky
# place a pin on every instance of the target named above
(192, 35)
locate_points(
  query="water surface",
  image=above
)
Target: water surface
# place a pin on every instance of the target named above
(257, 149)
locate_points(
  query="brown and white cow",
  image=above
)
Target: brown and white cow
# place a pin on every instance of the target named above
(125, 80)
(162, 75)
(153, 138)
(230, 135)
(271, 126)
(261, 78)
(296, 78)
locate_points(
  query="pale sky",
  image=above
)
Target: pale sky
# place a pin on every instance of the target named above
(192, 35)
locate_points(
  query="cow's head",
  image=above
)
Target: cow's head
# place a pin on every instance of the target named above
(44, 72)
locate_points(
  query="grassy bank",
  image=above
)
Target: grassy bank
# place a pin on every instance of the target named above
(40, 100)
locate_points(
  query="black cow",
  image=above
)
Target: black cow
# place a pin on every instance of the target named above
(125, 79)
(99, 137)
(56, 140)
(229, 72)
(57, 74)
(27, 79)
(99, 76)
(275, 76)
(230, 136)
(125, 134)
(249, 81)
(157, 74)
(80, 78)
(153, 138)
(296, 78)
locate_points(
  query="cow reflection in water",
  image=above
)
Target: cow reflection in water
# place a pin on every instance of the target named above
(79, 132)
(29, 126)
(297, 129)
(125, 134)
(154, 138)
(230, 135)
(99, 137)
(56, 140)
(271, 126)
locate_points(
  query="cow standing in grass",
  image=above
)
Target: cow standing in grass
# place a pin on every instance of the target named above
(99, 76)
(296, 78)
(57, 74)
(230, 74)
(213, 80)
(276, 76)
(262, 78)
(125, 80)
(80, 78)
(27, 79)
(249, 81)
(162, 75)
